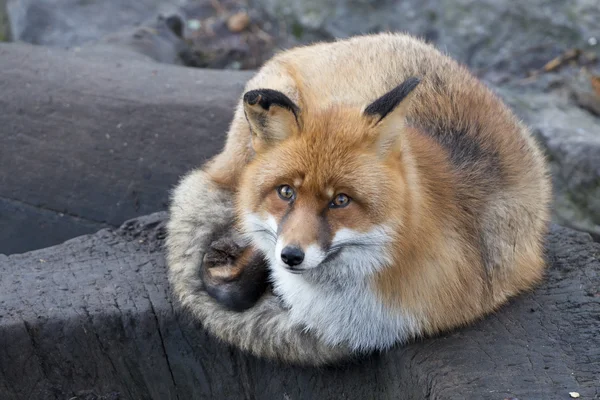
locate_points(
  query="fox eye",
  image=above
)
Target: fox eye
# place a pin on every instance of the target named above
(340, 201)
(285, 192)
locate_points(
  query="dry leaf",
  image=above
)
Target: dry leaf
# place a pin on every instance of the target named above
(567, 56)
(552, 65)
(595, 79)
(238, 22)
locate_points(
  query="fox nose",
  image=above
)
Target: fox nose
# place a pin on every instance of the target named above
(292, 255)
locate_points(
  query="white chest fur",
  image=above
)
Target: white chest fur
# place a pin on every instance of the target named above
(337, 302)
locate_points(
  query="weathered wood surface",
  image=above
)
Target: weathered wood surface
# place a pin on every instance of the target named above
(93, 319)
(89, 141)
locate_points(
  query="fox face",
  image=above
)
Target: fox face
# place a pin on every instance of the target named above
(324, 184)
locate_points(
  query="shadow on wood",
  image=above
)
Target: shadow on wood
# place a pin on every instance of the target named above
(93, 319)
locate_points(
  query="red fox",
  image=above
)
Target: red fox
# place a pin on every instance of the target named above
(380, 189)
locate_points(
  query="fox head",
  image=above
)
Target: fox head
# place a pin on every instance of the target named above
(324, 183)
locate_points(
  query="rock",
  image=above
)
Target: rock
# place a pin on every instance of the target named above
(229, 36)
(100, 27)
(93, 318)
(122, 30)
(488, 35)
(90, 142)
(513, 37)
(159, 41)
(68, 23)
(589, 102)
(571, 137)
(213, 39)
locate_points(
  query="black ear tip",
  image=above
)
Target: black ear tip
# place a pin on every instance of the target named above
(413, 80)
(409, 84)
(386, 103)
(267, 97)
(252, 97)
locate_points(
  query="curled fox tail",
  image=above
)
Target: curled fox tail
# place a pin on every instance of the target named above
(199, 209)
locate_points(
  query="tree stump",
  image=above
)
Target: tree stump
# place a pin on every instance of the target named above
(93, 319)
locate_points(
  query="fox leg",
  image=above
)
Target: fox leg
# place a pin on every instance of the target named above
(200, 208)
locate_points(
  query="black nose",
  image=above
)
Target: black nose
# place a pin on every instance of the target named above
(292, 255)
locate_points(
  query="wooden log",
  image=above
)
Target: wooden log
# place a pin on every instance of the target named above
(93, 139)
(93, 319)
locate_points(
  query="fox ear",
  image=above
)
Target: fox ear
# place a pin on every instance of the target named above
(272, 116)
(388, 114)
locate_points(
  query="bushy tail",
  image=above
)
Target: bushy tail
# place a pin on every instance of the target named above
(200, 208)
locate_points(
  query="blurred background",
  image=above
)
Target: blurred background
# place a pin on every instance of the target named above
(540, 56)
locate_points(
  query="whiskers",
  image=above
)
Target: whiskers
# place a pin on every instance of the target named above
(356, 254)
(265, 232)
(365, 241)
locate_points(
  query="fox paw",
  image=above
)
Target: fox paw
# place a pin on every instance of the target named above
(234, 275)
(219, 261)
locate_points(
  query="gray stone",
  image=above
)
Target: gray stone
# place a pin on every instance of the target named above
(68, 23)
(125, 30)
(93, 319)
(571, 138)
(118, 30)
(154, 41)
(488, 35)
(512, 36)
